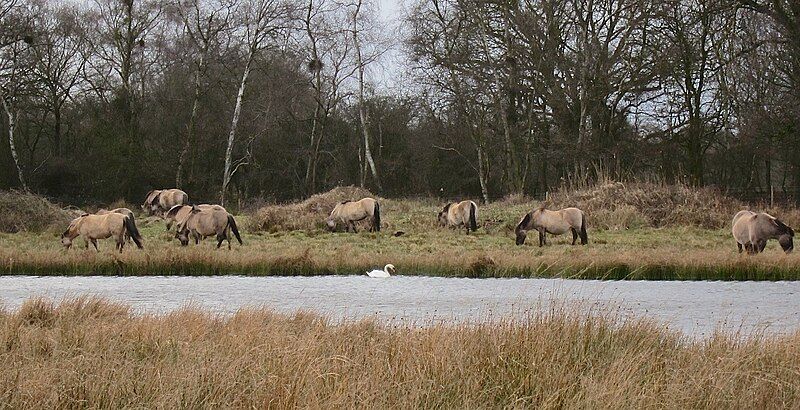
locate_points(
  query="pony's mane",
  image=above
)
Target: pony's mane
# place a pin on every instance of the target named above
(345, 201)
(523, 223)
(785, 229)
(447, 207)
(174, 210)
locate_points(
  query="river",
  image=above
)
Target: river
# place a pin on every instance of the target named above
(695, 308)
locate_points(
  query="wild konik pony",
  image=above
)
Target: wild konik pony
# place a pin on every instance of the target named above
(752, 230)
(124, 211)
(160, 201)
(553, 222)
(350, 212)
(94, 227)
(180, 212)
(463, 214)
(200, 224)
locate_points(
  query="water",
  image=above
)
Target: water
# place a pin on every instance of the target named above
(695, 308)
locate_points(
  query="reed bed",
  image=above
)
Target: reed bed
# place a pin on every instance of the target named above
(93, 353)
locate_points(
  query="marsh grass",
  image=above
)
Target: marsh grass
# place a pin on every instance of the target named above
(93, 353)
(643, 252)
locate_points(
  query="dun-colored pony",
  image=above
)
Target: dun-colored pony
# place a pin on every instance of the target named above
(200, 224)
(161, 200)
(180, 212)
(463, 214)
(94, 227)
(752, 230)
(553, 222)
(124, 211)
(350, 212)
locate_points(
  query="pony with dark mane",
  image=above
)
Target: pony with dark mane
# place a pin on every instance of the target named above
(350, 212)
(751, 231)
(463, 214)
(553, 222)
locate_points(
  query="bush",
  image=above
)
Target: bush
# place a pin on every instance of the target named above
(307, 215)
(21, 211)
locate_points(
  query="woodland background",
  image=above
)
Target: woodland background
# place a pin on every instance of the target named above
(274, 100)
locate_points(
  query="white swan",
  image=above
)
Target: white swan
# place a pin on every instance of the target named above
(387, 271)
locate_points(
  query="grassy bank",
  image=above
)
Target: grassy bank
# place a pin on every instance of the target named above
(640, 253)
(632, 238)
(91, 353)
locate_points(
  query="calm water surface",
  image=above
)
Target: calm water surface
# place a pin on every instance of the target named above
(696, 308)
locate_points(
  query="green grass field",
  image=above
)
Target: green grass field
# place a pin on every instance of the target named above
(674, 253)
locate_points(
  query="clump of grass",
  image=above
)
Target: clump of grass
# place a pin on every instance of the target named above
(99, 354)
(628, 204)
(21, 211)
(305, 215)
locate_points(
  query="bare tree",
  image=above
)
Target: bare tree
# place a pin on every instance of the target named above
(203, 24)
(14, 43)
(261, 19)
(363, 114)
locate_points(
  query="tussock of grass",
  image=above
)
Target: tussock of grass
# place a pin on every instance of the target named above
(93, 353)
(626, 205)
(20, 211)
(306, 215)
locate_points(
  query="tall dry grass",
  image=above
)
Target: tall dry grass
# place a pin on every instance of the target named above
(93, 353)
(305, 215)
(22, 211)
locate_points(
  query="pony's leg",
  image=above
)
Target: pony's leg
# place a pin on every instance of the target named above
(220, 238)
(739, 245)
(94, 242)
(762, 244)
(353, 225)
(542, 239)
(574, 235)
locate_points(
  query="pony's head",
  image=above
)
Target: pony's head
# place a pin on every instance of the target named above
(521, 229)
(182, 234)
(787, 243)
(442, 217)
(66, 240)
(150, 204)
(785, 236)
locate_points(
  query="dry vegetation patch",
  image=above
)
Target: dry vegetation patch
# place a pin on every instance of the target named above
(306, 215)
(92, 353)
(21, 211)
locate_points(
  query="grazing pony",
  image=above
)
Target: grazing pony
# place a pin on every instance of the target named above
(350, 212)
(463, 213)
(752, 230)
(553, 222)
(124, 211)
(180, 212)
(201, 224)
(161, 200)
(94, 227)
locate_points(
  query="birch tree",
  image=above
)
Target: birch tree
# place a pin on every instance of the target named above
(261, 19)
(203, 24)
(14, 41)
(361, 63)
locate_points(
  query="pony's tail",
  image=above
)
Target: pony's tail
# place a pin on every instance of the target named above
(232, 224)
(130, 226)
(584, 236)
(473, 223)
(376, 217)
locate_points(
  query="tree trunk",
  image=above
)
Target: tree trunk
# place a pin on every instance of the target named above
(11, 126)
(226, 177)
(362, 111)
(187, 142)
(482, 175)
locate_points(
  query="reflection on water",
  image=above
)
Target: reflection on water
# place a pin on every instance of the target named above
(696, 308)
